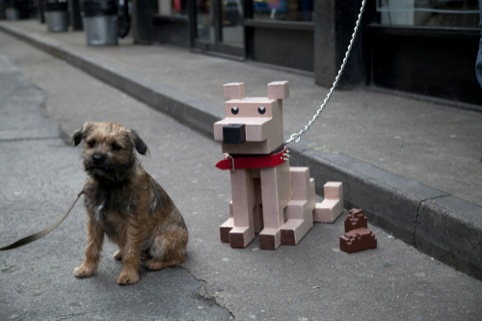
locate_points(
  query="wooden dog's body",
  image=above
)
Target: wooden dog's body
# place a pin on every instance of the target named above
(268, 196)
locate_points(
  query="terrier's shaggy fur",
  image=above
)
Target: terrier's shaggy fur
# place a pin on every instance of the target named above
(125, 203)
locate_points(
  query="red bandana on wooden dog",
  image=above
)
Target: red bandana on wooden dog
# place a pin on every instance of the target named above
(246, 161)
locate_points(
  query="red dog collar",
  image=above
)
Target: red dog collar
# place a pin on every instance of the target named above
(242, 162)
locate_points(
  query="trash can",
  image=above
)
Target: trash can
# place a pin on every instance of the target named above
(11, 13)
(56, 15)
(100, 21)
(9, 10)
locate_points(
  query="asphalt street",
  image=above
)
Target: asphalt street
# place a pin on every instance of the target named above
(41, 174)
(43, 99)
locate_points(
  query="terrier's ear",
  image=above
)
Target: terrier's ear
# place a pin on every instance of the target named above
(77, 137)
(79, 134)
(139, 144)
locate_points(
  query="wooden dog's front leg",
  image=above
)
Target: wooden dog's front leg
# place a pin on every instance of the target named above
(95, 239)
(275, 195)
(244, 198)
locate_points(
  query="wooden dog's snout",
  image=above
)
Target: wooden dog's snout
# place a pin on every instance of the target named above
(234, 134)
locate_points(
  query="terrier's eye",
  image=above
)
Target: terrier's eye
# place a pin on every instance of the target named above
(234, 110)
(116, 146)
(261, 110)
(91, 143)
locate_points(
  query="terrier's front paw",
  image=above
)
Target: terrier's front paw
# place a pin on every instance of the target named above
(85, 271)
(128, 276)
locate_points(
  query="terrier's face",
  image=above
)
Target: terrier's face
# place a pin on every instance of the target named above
(109, 150)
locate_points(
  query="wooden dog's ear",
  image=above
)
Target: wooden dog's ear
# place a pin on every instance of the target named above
(139, 144)
(79, 134)
(234, 90)
(278, 90)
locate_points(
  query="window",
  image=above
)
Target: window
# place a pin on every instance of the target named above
(291, 10)
(431, 13)
(172, 7)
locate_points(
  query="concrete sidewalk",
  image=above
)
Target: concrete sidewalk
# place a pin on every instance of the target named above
(414, 166)
(308, 282)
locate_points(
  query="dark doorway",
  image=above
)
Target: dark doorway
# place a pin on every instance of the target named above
(218, 26)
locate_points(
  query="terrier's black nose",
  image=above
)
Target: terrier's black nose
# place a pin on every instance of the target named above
(98, 158)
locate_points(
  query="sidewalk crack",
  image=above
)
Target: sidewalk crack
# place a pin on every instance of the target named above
(203, 294)
(417, 217)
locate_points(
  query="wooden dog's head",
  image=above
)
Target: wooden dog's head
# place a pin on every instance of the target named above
(253, 125)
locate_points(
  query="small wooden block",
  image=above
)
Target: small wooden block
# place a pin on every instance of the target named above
(269, 239)
(294, 230)
(234, 90)
(355, 219)
(358, 240)
(333, 190)
(288, 237)
(278, 90)
(327, 211)
(300, 183)
(240, 237)
(225, 228)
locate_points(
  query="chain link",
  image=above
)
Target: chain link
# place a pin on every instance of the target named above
(296, 137)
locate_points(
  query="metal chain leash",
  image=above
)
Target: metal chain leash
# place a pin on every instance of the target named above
(295, 137)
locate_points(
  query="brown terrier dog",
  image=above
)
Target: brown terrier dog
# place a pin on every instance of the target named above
(125, 203)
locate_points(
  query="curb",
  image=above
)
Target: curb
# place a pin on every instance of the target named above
(436, 223)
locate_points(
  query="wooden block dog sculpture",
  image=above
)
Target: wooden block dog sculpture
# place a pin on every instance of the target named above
(268, 196)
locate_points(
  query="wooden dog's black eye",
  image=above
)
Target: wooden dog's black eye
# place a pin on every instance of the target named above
(116, 146)
(261, 110)
(234, 110)
(91, 143)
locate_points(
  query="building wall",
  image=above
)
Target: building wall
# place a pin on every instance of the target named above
(425, 57)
